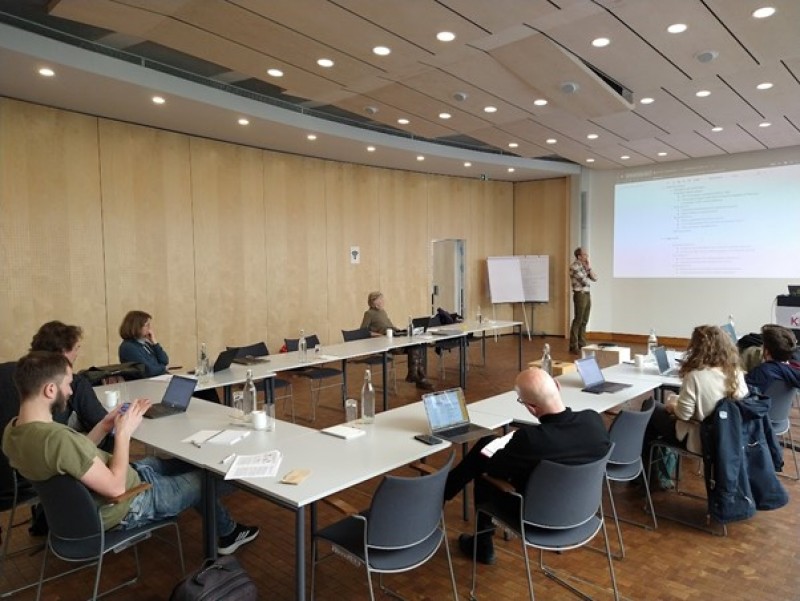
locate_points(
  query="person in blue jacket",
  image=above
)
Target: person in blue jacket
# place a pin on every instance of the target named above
(139, 344)
(778, 345)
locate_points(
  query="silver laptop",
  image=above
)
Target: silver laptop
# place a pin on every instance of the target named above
(176, 398)
(448, 416)
(593, 379)
(665, 368)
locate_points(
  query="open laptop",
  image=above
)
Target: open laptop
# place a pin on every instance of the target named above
(730, 331)
(794, 290)
(663, 363)
(448, 416)
(593, 379)
(176, 398)
(224, 360)
(421, 324)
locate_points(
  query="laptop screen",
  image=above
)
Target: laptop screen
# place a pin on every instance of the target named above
(179, 391)
(590, 371)
(662, 359)
(730, 331)
(421, 324)
(445, 408)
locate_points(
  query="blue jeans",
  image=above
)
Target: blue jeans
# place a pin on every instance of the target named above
(175, 486)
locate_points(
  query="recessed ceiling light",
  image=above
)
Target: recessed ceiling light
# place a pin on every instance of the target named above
(46, 72)
(513, 145)
(764, 12)
(490, 109)
(764, 124)
(444, 115)
(624, 157)
(381, 51)
(420, 158)
(243, 121)
(403, 121)
(158, 100)
(662, 154)
(600, 42)
(716, 129)
(590, 160)
(274, 72)
(551, 140)
(540, 102)
(370, 149)
(647, 100)
(766, 85)
(445, 36)
(467, 164)
(325, 62)
(511, 170)
(311, 137)
(677, 28)
(706, 56)
(702, 93)
(592, 137)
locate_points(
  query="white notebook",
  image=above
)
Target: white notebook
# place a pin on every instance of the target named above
(343, 431)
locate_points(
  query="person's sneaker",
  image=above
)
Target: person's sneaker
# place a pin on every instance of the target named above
(485, 552)
(241, 535)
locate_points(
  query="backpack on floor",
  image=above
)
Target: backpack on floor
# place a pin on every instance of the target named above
(222, 579)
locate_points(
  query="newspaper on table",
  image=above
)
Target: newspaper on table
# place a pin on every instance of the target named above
(262, 465)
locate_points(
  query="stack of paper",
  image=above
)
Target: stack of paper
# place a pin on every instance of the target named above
(263, 465)
(342, 431)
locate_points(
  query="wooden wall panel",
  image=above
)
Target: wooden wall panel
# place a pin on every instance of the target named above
(148, 233)
(51, 239)
(353, 219)
(230, 250)
(297, 263)
(541, 227)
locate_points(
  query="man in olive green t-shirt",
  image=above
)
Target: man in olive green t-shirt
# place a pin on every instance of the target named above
(40, 448)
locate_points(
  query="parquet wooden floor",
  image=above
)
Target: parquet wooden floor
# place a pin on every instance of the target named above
(758, 560)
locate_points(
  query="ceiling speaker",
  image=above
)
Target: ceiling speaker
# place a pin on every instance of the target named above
(569, 87)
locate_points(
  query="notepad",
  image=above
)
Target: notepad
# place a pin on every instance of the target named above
(497, 444)
(263, 465)
(342, 431)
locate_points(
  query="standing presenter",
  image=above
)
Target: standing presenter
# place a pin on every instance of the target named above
(580, 275)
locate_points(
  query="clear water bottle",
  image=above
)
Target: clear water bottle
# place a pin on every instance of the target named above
(652, 343)
(302, 346)
(410, 327)
(203, 369)
(367, 399)
(547, 362)
(479, 315)
(269, 409)
(250, 395)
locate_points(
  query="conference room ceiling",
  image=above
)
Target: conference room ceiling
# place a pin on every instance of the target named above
(506, 54)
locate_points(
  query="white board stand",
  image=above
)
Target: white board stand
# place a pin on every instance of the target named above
(519, 279)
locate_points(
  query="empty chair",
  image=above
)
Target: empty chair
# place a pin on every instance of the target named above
(315, 375)
(560, 510)
(259, 349)
(371, 360)
(445, 346)
(625, 463)
(782, 395)
(402, 529)
(76, 528)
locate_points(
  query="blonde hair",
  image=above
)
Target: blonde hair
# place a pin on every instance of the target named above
(711, 347)
(372, 297)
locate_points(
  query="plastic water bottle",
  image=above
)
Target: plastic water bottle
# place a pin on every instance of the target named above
(250, 394)
(269, 409)
(652, 343)
(203, 369)
(302, 347)
(410, 327)
(367, 399)
(547, 362)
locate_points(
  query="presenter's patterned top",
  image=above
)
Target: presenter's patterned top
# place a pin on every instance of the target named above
(579, 276)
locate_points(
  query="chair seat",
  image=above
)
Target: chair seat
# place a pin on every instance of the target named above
(320, 373)
(75, 550)
(623, 472)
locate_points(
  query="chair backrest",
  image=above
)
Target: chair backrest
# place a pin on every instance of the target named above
(627, 433)
(359, 334)
(781, 397)
(564, 496)
(76, 530)
(312, 340)
(405, 511)
(259, 349)
(9, 409)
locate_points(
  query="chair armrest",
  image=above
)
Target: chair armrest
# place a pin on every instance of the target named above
(502, 485)
(342, 506)
(423, 468)
(130, 493)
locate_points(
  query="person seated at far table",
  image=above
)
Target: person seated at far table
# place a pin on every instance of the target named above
(139, 344)
(778, 344)
(563, 436)
(40, 448)
(709, 372)
(377, 321)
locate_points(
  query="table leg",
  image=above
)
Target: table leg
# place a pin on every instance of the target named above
(344, 381)
(209, 514)
(271, 393)
(300, 549)
(466, 492)
(462, 362)
(385, 377)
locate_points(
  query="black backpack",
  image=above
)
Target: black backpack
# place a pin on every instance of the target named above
(222, 579)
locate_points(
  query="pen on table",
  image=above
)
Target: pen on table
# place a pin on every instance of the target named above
(230, 457)
(197, 444)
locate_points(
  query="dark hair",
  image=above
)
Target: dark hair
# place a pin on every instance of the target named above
(132, 324)
(577, 252)
(56, 337)
(38, 368)
(778, 341)
(711, 347)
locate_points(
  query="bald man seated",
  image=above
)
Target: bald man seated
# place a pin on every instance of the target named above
(563, 436)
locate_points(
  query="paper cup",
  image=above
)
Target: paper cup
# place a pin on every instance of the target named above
(259, 419)
(111, 399)
(389, 334)
(639, 360)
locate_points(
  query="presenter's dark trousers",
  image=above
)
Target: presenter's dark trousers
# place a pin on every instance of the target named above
(577, 333)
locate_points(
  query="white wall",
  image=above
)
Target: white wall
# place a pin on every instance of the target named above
(674, 306)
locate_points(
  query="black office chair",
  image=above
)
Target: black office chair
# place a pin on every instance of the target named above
(445, 346)
(259, 349)
(315, 375)
(371, 360)
(782, 396)
(77, 533)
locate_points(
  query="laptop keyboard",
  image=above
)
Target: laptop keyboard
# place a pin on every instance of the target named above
(456, 430)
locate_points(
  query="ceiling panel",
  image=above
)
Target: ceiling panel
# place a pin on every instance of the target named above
(628, 125)
(389, 114)
(724, 104)
(497, 15)
(692, 144)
